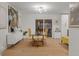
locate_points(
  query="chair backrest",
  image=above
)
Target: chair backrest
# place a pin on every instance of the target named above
(46, 32)
(29, 32)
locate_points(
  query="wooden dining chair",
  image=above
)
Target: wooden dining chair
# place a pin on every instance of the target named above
(29, 33)
(45, 33)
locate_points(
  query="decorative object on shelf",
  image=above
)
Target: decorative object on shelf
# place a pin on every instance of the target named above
(57, 27)
(13, 19)
(57, 30)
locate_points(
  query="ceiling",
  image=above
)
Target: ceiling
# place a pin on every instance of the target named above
(53, 7)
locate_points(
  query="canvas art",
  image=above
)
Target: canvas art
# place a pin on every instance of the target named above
(74, 19)
(13, 19)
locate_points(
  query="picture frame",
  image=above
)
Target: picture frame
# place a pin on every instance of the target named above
(74, 19)
(12, 19)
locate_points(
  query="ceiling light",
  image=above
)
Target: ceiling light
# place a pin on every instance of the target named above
(41, 8)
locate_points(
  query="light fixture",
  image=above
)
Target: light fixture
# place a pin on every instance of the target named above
(41, 8)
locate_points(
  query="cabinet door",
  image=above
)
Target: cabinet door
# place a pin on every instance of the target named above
(2, 38)
(57, 35)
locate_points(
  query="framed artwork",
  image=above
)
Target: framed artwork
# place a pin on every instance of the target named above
(12, 19)
(74, 19)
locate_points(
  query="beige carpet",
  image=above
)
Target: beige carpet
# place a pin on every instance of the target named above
(24, 48)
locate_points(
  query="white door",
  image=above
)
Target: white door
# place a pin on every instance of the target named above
(64, 25)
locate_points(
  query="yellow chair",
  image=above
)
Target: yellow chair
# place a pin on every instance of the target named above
(65, 40)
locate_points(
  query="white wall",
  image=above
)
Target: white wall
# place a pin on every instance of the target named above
(4, 22)
(74, 33)
(74, 42)
(28, 20)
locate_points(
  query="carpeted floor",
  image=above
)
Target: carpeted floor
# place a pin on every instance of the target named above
(24, 48)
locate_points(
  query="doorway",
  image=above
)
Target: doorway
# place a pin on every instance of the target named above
(41, 25)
